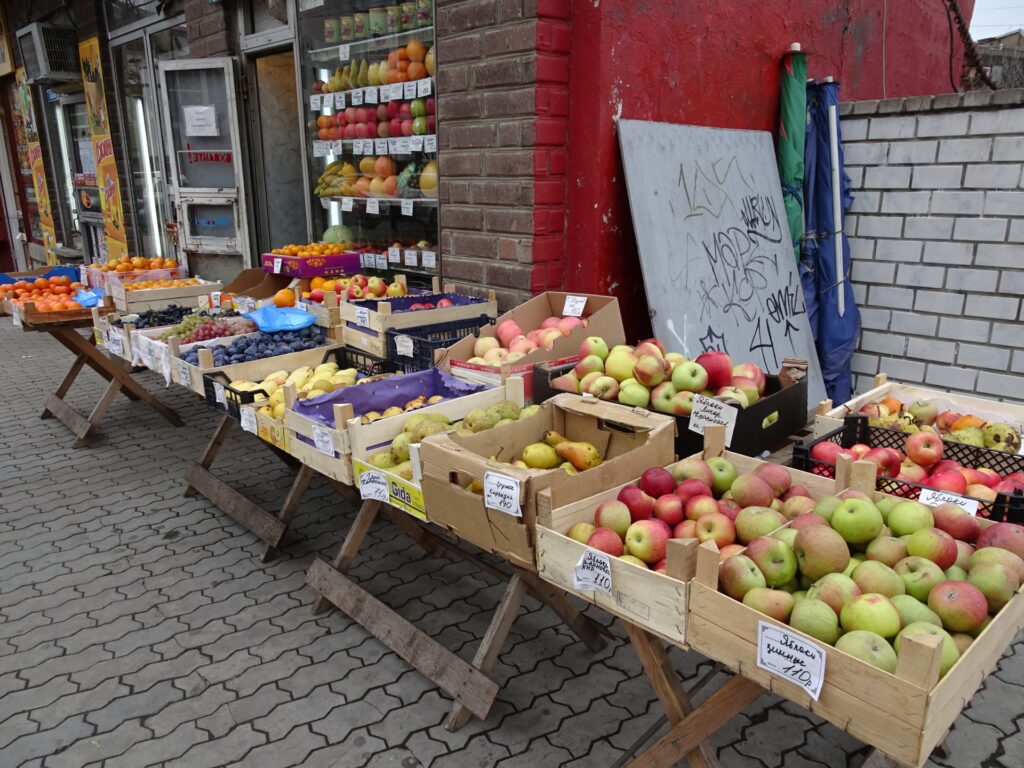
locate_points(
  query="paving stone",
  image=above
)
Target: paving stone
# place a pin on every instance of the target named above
(279, 669)
(33, 698)
(989, 705)
(219, 752)
(291, 750)
(188, 709)
(164, 747)
(257, 704)
(355, 752)
(971, 743)
(85, 701)
(772, 734)
(136, 705)
(170, 669)
(15, 726)
(229, 668)
(308, 709)
(45, 743)
(115, 667)
(99, 746)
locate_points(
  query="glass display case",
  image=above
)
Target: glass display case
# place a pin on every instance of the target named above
(368, 91)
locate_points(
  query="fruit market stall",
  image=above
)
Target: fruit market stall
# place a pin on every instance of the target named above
(54, 311)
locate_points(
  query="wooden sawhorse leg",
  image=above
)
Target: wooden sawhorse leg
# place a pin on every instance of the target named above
(289, 508)
(349, 547)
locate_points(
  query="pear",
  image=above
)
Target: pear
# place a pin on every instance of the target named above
(322, 384)
(540, 456)
(394, 410)
(363, 78)
(403, 470)
(400, 447)
(528, 411)
(552, 438)
(419, 402)
(434, 399)
(503, 422)
(344, 78)
(371, 75)
(413, 421)
(463, 432)
(506, 409)
(426, 428)
(520, 464)
(568, 468)
(478, 420)
(440, 418)
(475, 486)
(580, 455)
(381, 460)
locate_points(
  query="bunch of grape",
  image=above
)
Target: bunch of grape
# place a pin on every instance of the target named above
(187, 325)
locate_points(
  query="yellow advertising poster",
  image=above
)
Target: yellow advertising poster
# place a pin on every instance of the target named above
(35, 154)
(103, 148)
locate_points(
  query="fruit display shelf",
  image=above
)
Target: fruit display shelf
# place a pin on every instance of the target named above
(344, 51)
(829, 417)
(365, 440)
(629, 440)
(855, 430)
(156, 298)
(28, 318)
(904, 715)
(644, 597)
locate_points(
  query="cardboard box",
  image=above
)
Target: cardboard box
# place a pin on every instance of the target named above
(631, 440)
(601, 313)
(158, 298)
(261, 294)
(314, 266)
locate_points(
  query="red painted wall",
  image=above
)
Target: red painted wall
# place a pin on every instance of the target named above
(716, 63)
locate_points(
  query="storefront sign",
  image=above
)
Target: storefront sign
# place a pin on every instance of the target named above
(35, 155)
(103, 149)
(6, 60)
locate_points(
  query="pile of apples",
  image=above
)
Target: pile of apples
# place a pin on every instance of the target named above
(862, 575)
(925, 416)
(649, 377)
(353, 288)
(693, 499)
(510, 343)
(391, 120)
(921, 462)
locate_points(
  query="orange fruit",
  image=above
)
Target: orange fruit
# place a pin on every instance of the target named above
(65, 280)
(316, 282)
(74, 305)
(328, 285)
(170, 263)
(415, 50)
(40, 283)
(284, 298)
(416, 71)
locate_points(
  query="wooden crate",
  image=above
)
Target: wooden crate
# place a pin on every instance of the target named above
(904, 715)
(631, 440)
(829, 418)
(157, 298)
(336, 464)
(28, 318)
(654, 601)
(365, 439)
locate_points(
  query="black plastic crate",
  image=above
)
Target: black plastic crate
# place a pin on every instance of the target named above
(425, 340)
(365, 363)
(234, 399)
(855, 429)
(779, 413)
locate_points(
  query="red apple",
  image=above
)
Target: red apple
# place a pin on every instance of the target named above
(640, 505)
(924, 448)
(859, 450)
(606, 540)
(690, 488)
(776, 475)
(828, 452)
(957, 522)
(1008, 536)
(716, 527)
(806, 520)
(888, 464)
(718, 366)
(669, 508)
(699, 506)
(951, 481)
(989, 476)
(751, 491)
(729, 508)
(646, 539)
(656, 482)
(961, 607)
(685, 530)
(796, 490)
(933, 544)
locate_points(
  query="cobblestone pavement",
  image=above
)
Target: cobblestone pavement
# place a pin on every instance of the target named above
(138, 627)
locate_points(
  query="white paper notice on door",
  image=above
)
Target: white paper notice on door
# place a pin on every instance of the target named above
(201, 121)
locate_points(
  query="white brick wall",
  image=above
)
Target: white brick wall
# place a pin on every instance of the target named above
(937, 240)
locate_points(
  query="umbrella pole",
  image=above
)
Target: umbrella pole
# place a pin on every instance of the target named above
(837, 208)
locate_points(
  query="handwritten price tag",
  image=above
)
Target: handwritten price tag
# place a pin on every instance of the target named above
(362, 316)
(380, 260)
(339, 101)
(501, 493)
(791, 657)
(430, 143)
(218, 394)
(593, 571)
(410, 90)
(574, 306)
(707, 411)
(403, 345)
(410, 258)
(373, 205)
(364, 260)
(344, 53)
(933, 497)
(394, 255)
(370, 95)
(320, 148)
(314, 102)
(346, 203)
(16, 317)
(184, 373)
(423, 87)
(404, 146)
(326, 102)
(373, 485)
(325, 203)
(429, 259)
(407, 207)
(416, 143)
(115, 342)
(357, 97)
(380, 146)
(277, 265)
(322, 440)
(248, 419)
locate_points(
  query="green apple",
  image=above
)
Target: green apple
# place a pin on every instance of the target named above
(911, 609)
(723, 474)
(873, 576)
(871, 612)
(870, 647)
(858, 521)
(909, 516)
(815, 618)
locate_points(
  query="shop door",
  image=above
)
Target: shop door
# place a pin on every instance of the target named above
(199, 98)
(279, 192)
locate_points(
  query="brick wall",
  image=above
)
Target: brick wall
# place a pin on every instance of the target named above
(937, 240)
(210, 28)
(502, 129)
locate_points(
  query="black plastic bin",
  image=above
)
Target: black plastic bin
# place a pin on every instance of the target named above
(422, 341)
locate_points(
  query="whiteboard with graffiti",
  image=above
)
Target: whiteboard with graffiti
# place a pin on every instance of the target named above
(715, 249)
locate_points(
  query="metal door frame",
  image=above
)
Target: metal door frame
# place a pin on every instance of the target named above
(216, 195)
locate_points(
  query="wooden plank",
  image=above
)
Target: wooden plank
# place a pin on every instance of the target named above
(920, 660)
(241, 509)
(467, 685)
(350, 546)
(668, 688)
(220, 434)
(724, 704)
(70, 376)
(289, 508)
(69, 417)
(491, 643)
(100, 409)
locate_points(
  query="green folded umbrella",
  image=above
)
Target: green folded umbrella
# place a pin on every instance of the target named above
(791, 134)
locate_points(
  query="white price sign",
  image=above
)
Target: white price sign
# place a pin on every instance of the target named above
(396, 91)
(394, 255)
(393, 146)
(248, 419)
(344, 52)
(933, 497)
(325, 203)
(429, 259)
(320, 148)
(373, 205)
(357, 146)
(404, 345)
(430, 143)
(218, 394)
(277, 265)
(410, 258)
(346, 203)
(593, 571)
(327, 102)
(364, 260)
(314, 102)
(184, 373)
(363, 317)
(409, 91)
(357, 97)
(501, 493)
(370, 95)
(337, 146)
(380, 260)
(404, 146)
(373, 485)
(407, 207)
(574, 306)
(791, 657)
(423, 87)
(322, 440)
(115, 341)
(380, 146)
(707, 411)
(416, 143)
(16, 317)
(339, 101)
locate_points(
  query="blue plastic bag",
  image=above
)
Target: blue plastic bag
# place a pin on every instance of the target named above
(270, 319)
(89, 297)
